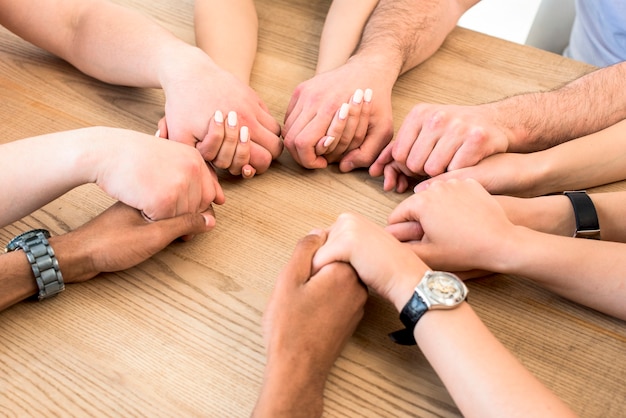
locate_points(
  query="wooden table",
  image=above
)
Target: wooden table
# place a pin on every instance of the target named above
(180, 334)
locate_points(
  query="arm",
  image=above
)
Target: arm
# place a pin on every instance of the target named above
(117, 239)
(551, 170)
(305, 331)
(342, 31)
(436, 138)
(483, 378)
(435, 224)
(108, 157)
(398, 36)
(227, 32)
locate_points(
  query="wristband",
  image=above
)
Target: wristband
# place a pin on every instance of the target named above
(587, 224)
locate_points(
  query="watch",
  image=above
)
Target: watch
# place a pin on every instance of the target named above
(587, 224)
(42, 260)
(436, 290)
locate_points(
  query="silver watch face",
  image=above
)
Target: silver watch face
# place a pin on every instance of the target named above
(443, 290)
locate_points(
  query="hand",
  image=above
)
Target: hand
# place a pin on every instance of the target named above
(434, 139)
(316, 102)
(120, 238)
(455, 225)
(159, 177)
(197, 88)
(511, 174)
(308, 321)
(397, 176)
(380, 260)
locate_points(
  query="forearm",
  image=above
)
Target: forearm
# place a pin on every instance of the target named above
(482, 376)
(37, 170)
(581, 107)
(589, 161)
(110, 42)
(17, 280)
(227, 32)
(402, 34)
(589, 272)
(342, 31)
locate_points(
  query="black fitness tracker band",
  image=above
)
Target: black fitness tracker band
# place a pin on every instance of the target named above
(587, 224)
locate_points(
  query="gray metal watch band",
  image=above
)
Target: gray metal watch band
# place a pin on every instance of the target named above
(42, 260)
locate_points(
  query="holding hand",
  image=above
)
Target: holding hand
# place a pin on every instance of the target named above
(166, 179)
(120, 238)
(308, 321)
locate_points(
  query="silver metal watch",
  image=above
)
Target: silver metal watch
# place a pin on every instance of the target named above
(436, 290)
(42, 260)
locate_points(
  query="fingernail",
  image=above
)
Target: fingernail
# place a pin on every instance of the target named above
(318, 232)
(209, 220)
(368, 95)
(219, 117)
(244, 135)
(247, 172)
(343, 111)
(158, 133)
(232, 119)
(328, 141)
(358, 96)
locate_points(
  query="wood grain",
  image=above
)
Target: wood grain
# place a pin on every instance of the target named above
(179, 335)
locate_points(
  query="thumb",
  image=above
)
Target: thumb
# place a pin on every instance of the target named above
(186, 226)
(299, 268)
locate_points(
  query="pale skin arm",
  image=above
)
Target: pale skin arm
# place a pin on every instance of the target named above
(593, 160)
(101, 245)
(108, 157)
(342, 31)
(436, 223)
(482, 376)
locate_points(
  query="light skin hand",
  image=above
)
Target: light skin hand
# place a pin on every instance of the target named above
(191, 105)
(396, 176)
(434, 139)
(314, 105)
(507, 173)
(379, 259)
(185, 184)
(454, 217)
(120, 238)
(308, 321)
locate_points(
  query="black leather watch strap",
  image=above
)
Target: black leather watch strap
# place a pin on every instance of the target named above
(414, 309)
(587, 224)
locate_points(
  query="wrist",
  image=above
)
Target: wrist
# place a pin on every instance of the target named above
(404, 284)
(74, 262)
(384, 69)
(179, 61)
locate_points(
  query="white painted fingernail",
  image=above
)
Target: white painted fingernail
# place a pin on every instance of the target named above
(368, 95)
(232, 119)
(358, 96)
(343, 112)
(158, 133)
(329, 140)
(244, 135)
(219, 116)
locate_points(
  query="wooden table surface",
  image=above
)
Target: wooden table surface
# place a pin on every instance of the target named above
(180, 334)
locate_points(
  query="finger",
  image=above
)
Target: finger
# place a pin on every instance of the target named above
(242, 152)
(440, 157)
(211, 143)
(406, 231)
(298, 269)
(216, 193)
(363, 125)
(352, 122)
(248, 171)
(337, 126)
(385, 157)
(187, 225)
(427, 138)
(161, 128)
(260, 158)
(231, 136)
(363, 156)
(323, 144)
(266, 138)
(391, 177)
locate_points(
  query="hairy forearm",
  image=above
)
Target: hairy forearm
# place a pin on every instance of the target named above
(403, 34)
(581, 107)
(483, 377)
(227, 32)
(595, 159)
